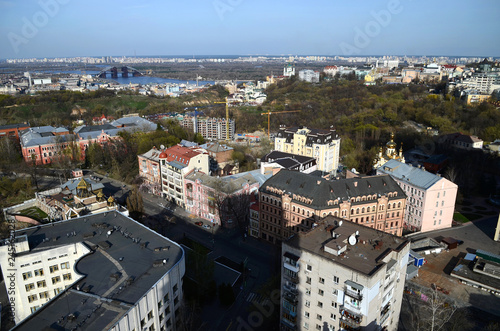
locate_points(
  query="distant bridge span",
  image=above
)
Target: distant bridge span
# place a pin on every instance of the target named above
(125, 70)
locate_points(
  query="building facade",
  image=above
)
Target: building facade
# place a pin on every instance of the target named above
(291, 202)
(175, 163)
(430, 202)
(150, 171)
(92, 273)
(342, 276)
(209, 197)
(47, 144)
(323, 145)
(462, 141)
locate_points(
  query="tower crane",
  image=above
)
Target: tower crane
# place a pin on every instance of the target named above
(269, 119)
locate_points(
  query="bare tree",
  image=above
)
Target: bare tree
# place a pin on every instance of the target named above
(428, 310)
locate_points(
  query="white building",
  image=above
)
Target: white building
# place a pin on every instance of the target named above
(323, 145)
(342, 276)
(289, 69)
(310, 76)
(430, 201)
(97, 272)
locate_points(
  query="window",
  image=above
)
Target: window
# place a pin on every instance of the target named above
(309, 268)
(65, 265)
(308, 304)
(308, 291)
(150, 315)
(56, 280)
(44, 295)
(41, 284)
(165, 298)
(306, 314)
(53, 268)
(333, 317)
(319, 317)
(57, 290)
(175, 288)
(321, 280)
(306, 325)
(321, 292)
(334, 304)
(308, 280)
(29, 287)
(32, 298)
(318, 327)
(335, 291)
(27, 275)
(335, 279)
(320, 304)
(38, 272)
(67, 276)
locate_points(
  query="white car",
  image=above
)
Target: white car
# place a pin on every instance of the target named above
(206, 226)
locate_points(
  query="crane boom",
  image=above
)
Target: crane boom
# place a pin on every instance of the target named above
(269, 118)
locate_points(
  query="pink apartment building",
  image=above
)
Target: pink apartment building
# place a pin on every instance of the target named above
(430, 199)
(208, 197)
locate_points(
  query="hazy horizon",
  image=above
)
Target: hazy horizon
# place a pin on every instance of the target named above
(69, 28)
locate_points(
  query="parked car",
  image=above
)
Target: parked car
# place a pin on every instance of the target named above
(206, 226)
(198, 223)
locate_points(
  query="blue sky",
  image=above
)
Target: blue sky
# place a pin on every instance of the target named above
(57, 28)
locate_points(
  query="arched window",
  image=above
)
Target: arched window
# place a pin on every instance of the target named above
(388, 206)
(373, 208)
(362, 210)
(399, 204)
(357, 210)
(352, 211)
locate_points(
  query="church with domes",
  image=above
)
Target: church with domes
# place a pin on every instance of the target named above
(390, 153)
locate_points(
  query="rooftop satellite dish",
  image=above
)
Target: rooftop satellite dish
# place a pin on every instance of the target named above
(340, 223)
(352, 240)
(357, 233)
(162, 146)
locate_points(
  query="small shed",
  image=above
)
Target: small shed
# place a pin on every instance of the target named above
(418, 260)
(450, 242)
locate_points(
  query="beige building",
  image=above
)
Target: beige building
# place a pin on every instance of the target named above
(342, 276)
(323, 145)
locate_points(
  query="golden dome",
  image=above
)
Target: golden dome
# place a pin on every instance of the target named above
(391, 144)
(111, 199)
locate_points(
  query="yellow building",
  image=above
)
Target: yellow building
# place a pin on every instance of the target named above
(322, 145)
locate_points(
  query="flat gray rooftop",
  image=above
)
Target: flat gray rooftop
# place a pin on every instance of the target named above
(364, 256)
(133, 246)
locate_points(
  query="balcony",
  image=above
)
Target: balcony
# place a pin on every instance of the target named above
(353, 294)
(291, 276)
(291, 297)
(288, 325)
(294, 268)
(352, 318)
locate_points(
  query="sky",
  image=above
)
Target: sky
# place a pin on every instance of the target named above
(67, 28)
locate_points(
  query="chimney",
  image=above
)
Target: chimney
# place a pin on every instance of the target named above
(355, 184)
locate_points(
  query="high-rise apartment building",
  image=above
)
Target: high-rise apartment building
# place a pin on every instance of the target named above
(342, 276)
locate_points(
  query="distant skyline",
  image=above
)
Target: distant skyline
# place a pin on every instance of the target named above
(67, 28)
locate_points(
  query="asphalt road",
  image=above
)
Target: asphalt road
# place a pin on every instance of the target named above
(262, 258)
